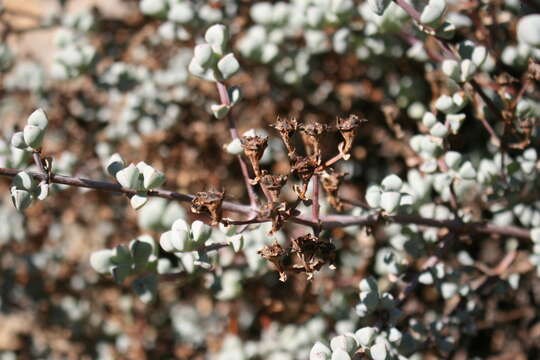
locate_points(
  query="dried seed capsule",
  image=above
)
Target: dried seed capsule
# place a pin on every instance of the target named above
(347, 128)
(330, 183)
(273, 183)
(312, 134)
(209, 202)
(254, 147)
(305, 168)
(287, 128)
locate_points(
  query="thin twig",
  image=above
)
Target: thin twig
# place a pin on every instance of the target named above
(315, 205)
(39, 163)
(224, 98)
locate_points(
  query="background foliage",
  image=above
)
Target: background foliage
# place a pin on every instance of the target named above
(113, 77)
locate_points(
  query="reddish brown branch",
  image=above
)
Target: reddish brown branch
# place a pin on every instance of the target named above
(326, 222)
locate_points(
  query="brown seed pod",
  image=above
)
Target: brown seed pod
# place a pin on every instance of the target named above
(254, 147)
(348, 127)
(330, 182)
(275, 254)
(209, 202)
(312, 134)
(305, 168)
(287, 128)
(313, 253)
(273, 183)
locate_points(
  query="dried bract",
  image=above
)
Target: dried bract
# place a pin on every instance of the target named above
(209, 202)
(254, 147)
(287, 128)
(348, 127)
(330, 182)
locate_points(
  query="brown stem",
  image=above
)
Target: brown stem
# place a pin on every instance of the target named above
(224, 98)
(315, 205)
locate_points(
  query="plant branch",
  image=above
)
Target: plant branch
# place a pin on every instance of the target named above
(326, 222)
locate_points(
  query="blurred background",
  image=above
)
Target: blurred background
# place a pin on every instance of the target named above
(112, 77)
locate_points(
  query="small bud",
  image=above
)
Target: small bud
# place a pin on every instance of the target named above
(121, 255)
(137, 201)
(368, 284)
(228, 66)
(528, 30)
(115, 164)
(43, 191)
(141, 252)
(433, 13)
(467, 171)
(21, 198)
(378, 351)
(220, 110)
(365, 336)
(165, 242)
(373, 196)
(346, 343)
(340, 355)
(468, 69)
(121, 272)
(23, 181)
(17, 141)
(181, 241)
(452, 159)
(128, 177)
(429, 119)
(152, 178)
(33, 136)
(390, 201)
(217, 36)
(439, 130)
(101, 260)
(319, 351)
(201, 232)
(392, 183)
(451, 69)
(378, 6)
(446, 31)
(237, 242)
(38, 118)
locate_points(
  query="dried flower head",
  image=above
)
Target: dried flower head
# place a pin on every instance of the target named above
(313, 253)
(305, 168)
(273, 183)
(275, 254)
(287, 128)
(312, 134)
(254, 147)
(209, 202)
(348, 127)
(330, 182)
